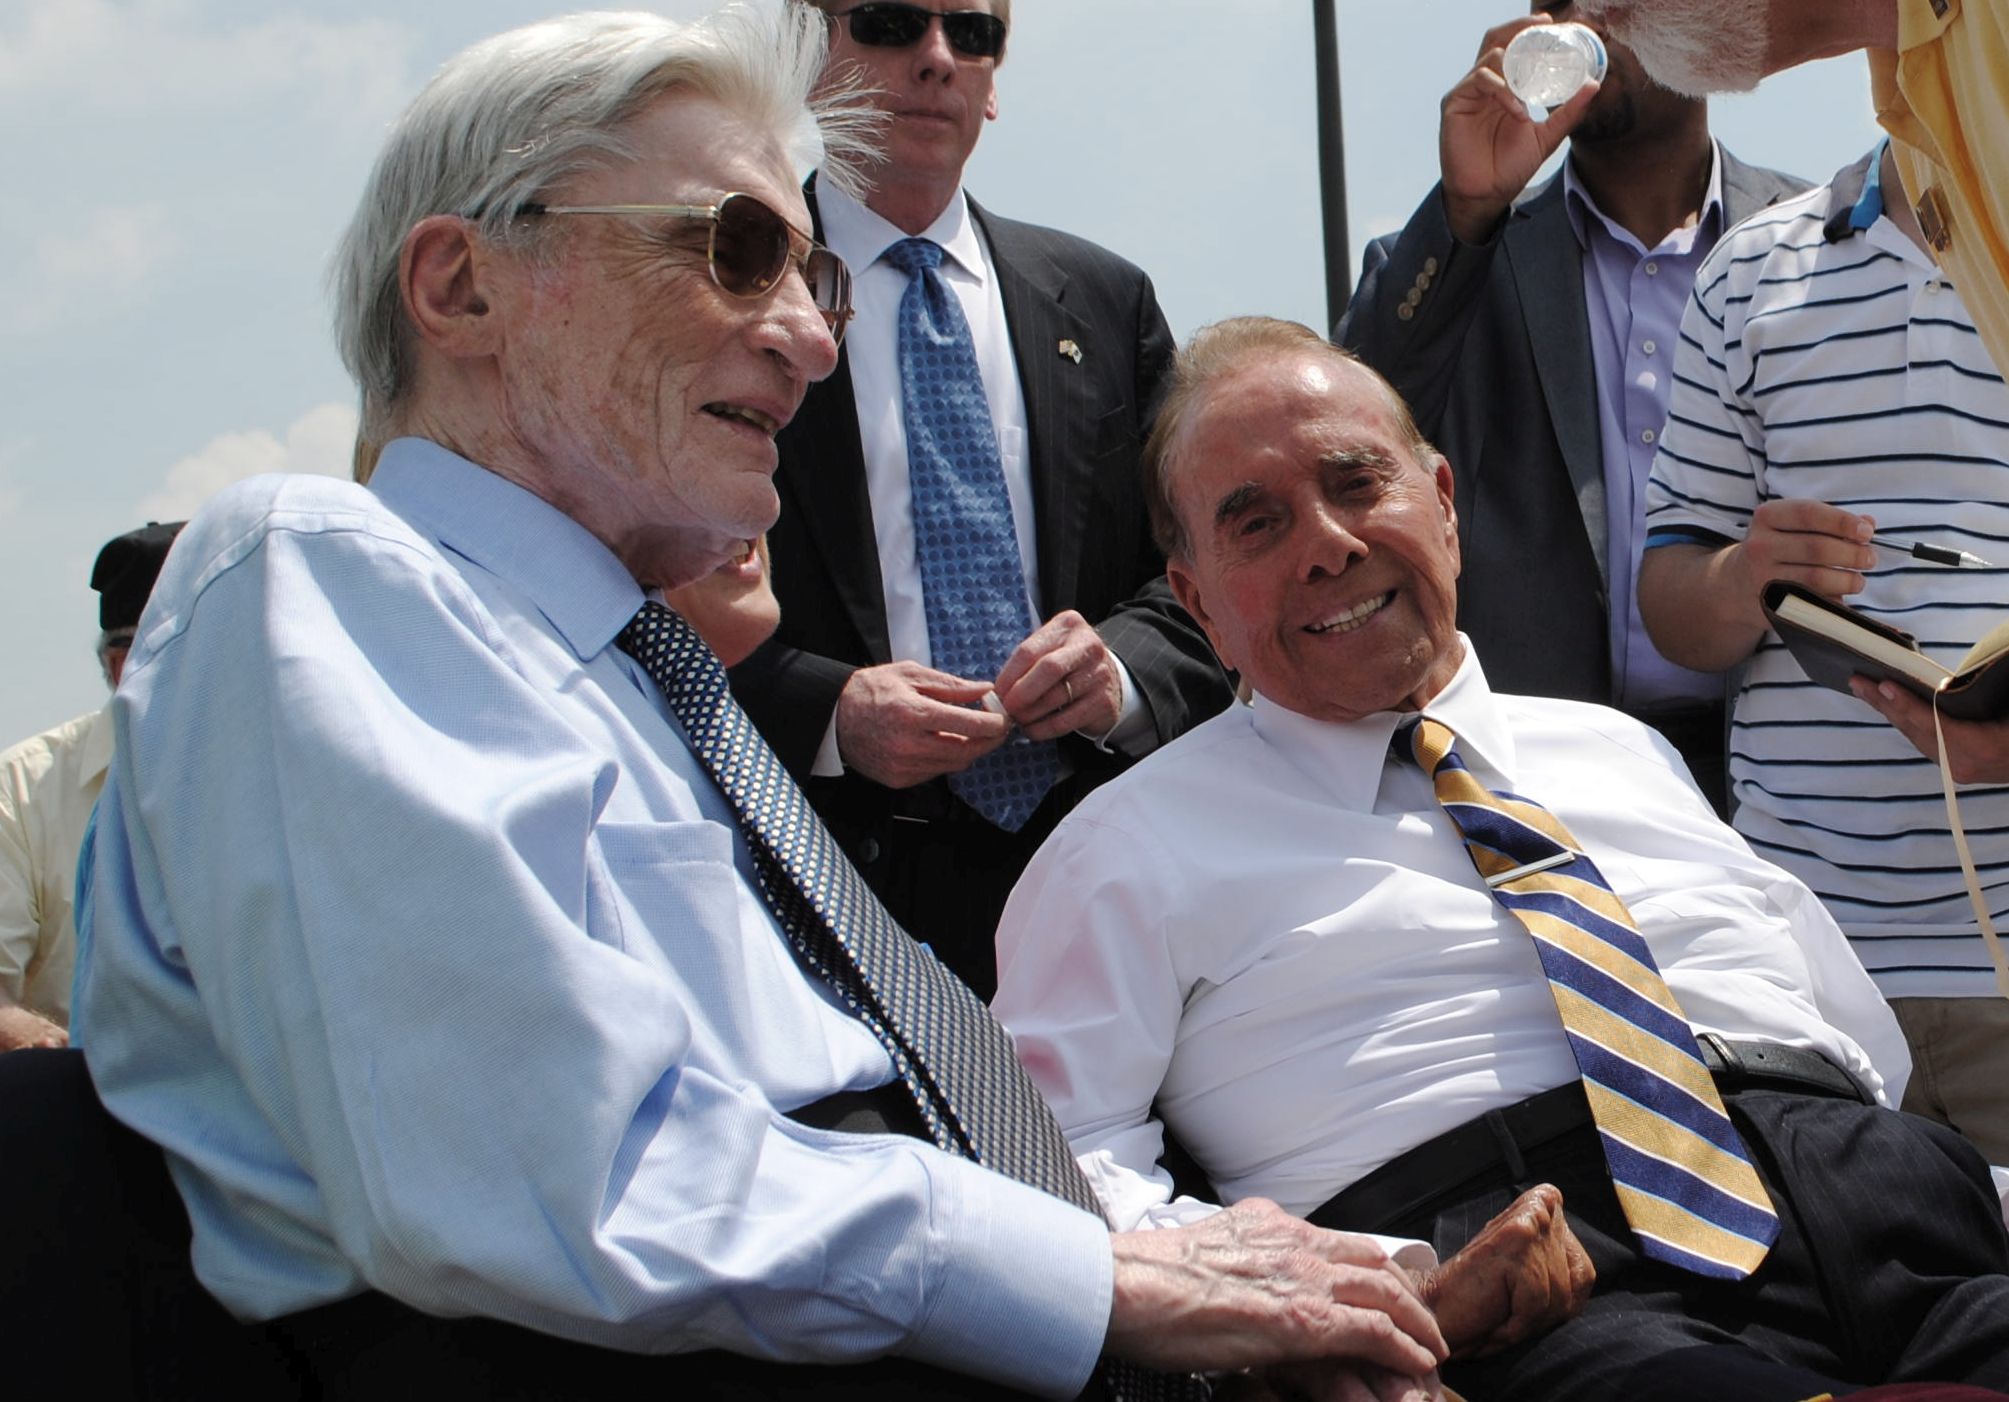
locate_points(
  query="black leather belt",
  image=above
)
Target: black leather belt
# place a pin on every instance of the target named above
(1492, 1147)
(1737, 1065)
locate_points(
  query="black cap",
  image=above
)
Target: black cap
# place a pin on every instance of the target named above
(126, 570)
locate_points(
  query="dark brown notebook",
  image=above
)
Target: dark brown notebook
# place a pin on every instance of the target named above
(1833, 642)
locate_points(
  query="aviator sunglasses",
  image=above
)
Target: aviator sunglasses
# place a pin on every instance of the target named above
(971, 33)
(749, 250)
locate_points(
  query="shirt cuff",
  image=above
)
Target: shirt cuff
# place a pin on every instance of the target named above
(1025, 1295)
(1136, 730)
(829, 763)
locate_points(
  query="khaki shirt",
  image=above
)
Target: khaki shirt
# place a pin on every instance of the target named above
(1944, 98)
(47, 788)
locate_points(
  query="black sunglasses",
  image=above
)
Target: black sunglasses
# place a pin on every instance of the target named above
(749, 250)
(971, 33)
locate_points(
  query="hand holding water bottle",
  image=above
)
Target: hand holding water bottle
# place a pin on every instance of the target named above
(1488, 146)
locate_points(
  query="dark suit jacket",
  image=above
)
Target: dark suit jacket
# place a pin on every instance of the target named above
(1086, 425)
(1491, 347)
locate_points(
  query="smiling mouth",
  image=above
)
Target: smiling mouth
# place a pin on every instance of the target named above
(744, 415)
(1351, 619)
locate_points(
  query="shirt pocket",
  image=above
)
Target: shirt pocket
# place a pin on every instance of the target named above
(662, 886)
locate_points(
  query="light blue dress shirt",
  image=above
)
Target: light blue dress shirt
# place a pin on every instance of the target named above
(1634, 297)
(424, 946)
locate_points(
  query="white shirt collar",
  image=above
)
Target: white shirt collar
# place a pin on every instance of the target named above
(1348, 757)
(1580, 206)
(94, 755)
(861, 237)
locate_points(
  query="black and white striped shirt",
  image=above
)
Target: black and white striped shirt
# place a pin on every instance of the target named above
(1821, 360)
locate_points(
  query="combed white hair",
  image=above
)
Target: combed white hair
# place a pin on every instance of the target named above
(506, 120)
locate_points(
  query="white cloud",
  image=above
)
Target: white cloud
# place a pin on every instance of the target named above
(71, 276)
(150, 55)
(319, 441)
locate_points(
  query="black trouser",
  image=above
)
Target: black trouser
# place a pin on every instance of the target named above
(371, 1348)
(1889, 1268)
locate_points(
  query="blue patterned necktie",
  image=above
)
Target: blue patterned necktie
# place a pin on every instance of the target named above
(956, 1061)
(972, 576)
(1681, 1171)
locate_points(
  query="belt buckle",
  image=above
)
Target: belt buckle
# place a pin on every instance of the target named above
(1729, 1060)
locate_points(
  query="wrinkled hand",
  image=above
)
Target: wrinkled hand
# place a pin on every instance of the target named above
(1822, 547)
(1522, 1275)
(903, 724)
(1062, 678)
(1488, 148)
(20, 1029)
(1977, 751)
(1253, 1287)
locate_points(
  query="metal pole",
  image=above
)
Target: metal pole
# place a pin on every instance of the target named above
(1331, 165)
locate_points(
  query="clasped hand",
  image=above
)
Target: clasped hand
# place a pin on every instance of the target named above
(902, 724)
(1309, 1313)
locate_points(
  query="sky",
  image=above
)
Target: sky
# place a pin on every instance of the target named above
(180, 170)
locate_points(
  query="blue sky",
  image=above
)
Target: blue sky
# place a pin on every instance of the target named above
(180, 169)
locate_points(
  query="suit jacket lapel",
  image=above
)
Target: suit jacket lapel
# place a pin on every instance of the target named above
(824, 473)
(1059, 433)
(1548, 275)
(1748, 189)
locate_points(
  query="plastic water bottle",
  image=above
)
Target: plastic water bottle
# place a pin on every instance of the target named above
(1546, 64)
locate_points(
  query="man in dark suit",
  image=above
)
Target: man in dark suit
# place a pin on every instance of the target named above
(887, 724)
(1534, 334)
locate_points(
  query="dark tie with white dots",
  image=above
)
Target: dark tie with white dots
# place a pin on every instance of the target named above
(956, 1060)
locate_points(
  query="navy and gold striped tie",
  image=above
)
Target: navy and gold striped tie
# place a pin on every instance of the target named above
(955, 1059)
(1682, 1173)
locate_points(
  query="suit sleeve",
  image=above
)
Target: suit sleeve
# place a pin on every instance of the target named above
(791, 696)
(1167, 655)
(1417, 297)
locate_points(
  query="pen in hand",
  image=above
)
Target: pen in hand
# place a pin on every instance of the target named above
(1935, 554)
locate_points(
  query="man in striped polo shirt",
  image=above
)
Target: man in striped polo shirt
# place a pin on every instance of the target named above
(1830, 383)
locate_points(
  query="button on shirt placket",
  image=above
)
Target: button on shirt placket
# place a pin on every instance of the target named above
(1635, 296)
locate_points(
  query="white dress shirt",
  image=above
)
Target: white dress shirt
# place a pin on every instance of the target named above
(861, 238)
(47, 787)
(1271, 929)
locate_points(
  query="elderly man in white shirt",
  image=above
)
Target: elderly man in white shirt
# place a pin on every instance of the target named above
(1272, 938)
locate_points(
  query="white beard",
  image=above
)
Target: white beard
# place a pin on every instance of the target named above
(1695, 47)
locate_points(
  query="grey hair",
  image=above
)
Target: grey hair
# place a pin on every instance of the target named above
(506, 120)
(1214, 353)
